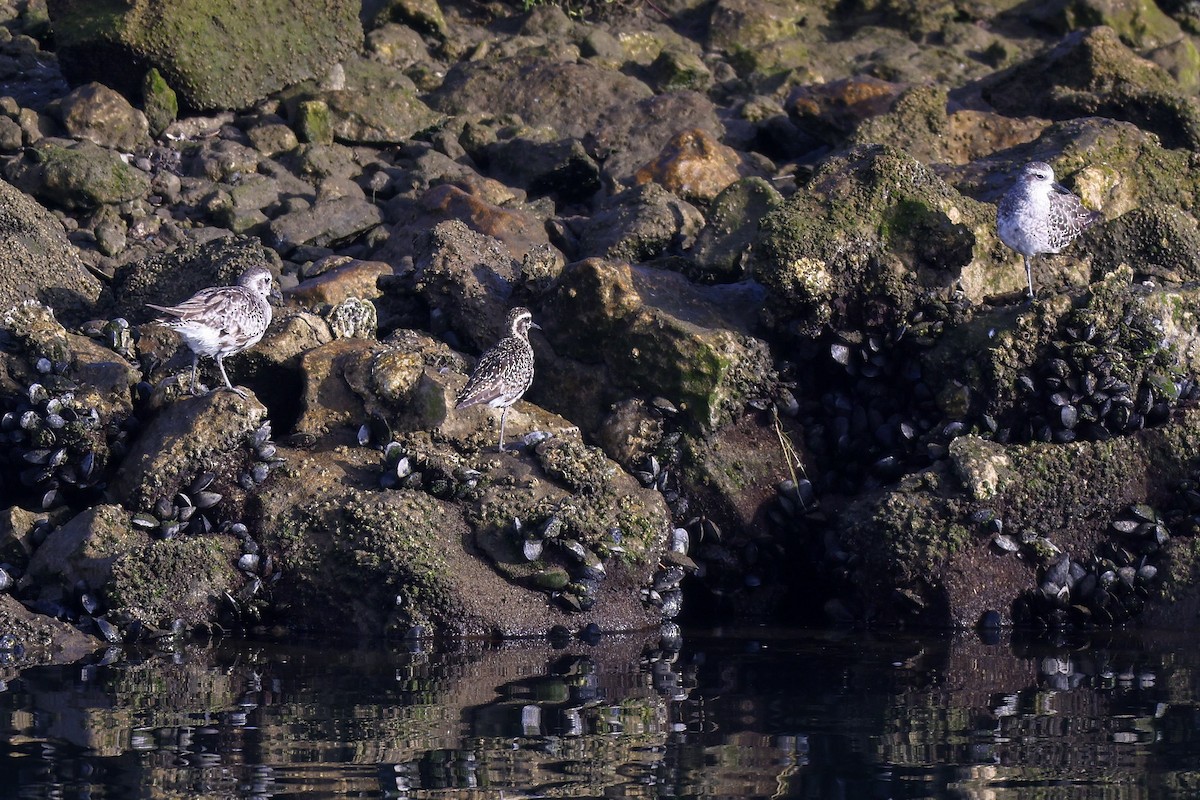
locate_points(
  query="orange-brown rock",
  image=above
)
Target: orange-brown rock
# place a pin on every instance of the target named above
(693, 166)
(840, 106)
(518, 230)
(353, 278)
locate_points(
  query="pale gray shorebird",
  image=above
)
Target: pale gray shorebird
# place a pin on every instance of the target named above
(1038, 215)
(504, 371)
(223, 320)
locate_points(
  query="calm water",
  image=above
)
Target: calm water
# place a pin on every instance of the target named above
(758, 713)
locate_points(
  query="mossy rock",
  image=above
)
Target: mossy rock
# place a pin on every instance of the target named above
(675, 70)
(159, 101)
(376, 105)
(1092, 73)
(872, 232)
(1140, 24)
(588, 494)
(200, 47)
(314, 122)
(921, 537)
(736, 25)
(1113, 166)
(731, 229)
(77, 175)
(183, 578)
(658, 334)
(917, 123)
(358, 559)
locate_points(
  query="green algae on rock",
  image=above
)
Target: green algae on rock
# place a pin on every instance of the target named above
(77, 175)
(185, 578)
(661, 335)
(391, 560)
(876, 229)
(204, 61)
(1091, 73)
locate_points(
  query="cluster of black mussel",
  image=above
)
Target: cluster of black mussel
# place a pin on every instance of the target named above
(876, 417)
(570, 568)
(62, 446)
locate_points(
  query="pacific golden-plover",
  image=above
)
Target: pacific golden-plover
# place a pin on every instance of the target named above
(223, 320)
(505, 371)
(1038, 215)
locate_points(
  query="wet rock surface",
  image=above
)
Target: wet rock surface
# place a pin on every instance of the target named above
(785, 366)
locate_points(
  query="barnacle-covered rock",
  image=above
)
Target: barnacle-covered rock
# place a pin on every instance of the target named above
(188, 437)
(34, 327)
(353, 317)
(408, 555)
(186, 578)
(40, 639)
(925, 535)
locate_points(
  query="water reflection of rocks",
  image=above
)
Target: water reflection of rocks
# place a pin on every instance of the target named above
(830, 714)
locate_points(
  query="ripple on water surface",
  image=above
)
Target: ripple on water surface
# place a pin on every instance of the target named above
(758, 713)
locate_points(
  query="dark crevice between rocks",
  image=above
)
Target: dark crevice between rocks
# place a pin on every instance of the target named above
(281, 390)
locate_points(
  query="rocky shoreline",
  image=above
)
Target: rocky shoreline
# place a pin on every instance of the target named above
(786, 368)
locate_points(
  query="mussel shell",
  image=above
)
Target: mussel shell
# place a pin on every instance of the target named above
(532, 548)
(40, 457)
(87, 466)
(206, 499)
(261, 435)
(164, 509)
(90, 603)
(145, 520)
(202, 482)
(107, 630)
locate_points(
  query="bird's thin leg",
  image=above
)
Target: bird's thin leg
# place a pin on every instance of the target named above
(503, 417)
(195, 362)
(1029, 274)
(228, 385)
